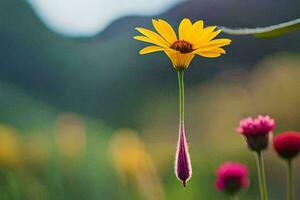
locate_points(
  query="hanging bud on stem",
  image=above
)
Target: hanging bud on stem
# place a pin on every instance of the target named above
(183, 167)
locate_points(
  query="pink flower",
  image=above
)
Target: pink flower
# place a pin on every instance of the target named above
(183, 168)
(231, 177)
(256, 131)
(261, 125)
(287, 144)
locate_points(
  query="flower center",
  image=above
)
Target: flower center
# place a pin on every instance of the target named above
(182, 46)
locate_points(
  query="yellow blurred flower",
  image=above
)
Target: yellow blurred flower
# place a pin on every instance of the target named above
(132, 161)
(70, 136)
(193, 40)
(10, 147)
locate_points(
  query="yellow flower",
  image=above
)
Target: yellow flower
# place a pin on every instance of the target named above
(193, 40)
(10, 147)
(133, 162)
(70, 136)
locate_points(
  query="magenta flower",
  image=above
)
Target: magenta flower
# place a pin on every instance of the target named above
(256, 131)
(183, 167)
(232, 177)
(287, 144)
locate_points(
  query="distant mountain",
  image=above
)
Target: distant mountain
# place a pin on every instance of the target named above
(103, 76)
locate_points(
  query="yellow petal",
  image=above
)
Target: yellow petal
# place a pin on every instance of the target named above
(209, 55)
(202, 38)
(195, 32)
(209, 29)
(172, 56)
(212, 35)
(165, 30)
(214, 44)
(222, 41)
(210, 46)
(219, 50)
(180, 60)
(184, 28)
(210, 50)
(146, 39)
(151, 49)
(188, 59)
(153, 36)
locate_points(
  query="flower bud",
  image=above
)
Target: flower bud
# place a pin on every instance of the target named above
(183, 168)
(256, 131)
(287, 144)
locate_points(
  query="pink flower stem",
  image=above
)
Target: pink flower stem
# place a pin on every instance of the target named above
(261, 176)
(290, 180)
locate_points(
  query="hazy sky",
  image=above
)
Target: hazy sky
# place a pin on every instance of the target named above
(87, 17)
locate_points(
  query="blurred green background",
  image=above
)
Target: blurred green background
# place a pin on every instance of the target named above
(86, 117)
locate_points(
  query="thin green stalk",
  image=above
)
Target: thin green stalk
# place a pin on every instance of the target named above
(290, 180)
(261, 176)
(180, 74)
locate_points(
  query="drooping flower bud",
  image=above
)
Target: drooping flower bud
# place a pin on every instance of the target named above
(287, 144)
(232, 177)
(183, 168)
(256, 131)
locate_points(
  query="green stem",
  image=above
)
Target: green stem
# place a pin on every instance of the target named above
(261, 176)
(180, 74)
(290, 180)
